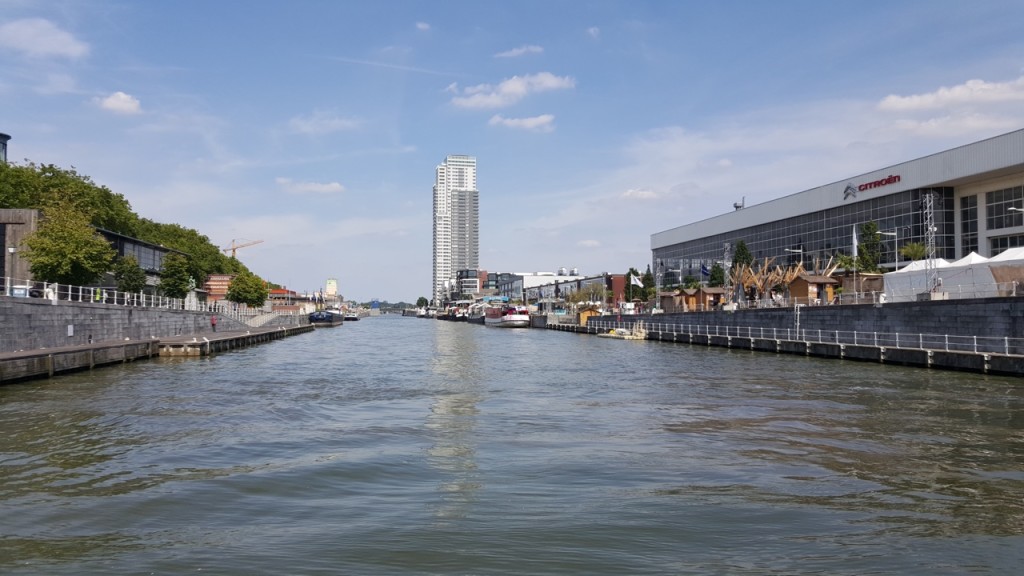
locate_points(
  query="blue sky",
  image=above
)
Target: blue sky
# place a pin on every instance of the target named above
(315, 126)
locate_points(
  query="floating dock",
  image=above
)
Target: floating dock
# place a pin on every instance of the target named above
(50, 362)
(224, 341)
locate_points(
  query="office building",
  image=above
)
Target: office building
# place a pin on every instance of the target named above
(964, 200)
(456, 223)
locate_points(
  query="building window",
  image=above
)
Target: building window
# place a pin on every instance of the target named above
(1003, 243)
(969, 224)
(997, 208)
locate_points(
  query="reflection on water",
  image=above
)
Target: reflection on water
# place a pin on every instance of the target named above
(452, 417)
(403, 445)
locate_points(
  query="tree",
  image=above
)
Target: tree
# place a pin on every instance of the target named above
(247, 288)
(66, 249)
(717, 277)
(175, 279)
(742, 257)
(128, 274)
(914, 251)
(691, 282)
(632, 290)
(38, 186)
(869, 247)
(422, 302)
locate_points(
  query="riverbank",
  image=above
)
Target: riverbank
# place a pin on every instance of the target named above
(49, 362)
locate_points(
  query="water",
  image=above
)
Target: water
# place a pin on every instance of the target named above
(408, 446)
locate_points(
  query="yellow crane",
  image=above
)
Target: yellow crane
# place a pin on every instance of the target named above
(235, 246)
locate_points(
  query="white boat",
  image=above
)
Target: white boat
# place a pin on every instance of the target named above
(507, 316)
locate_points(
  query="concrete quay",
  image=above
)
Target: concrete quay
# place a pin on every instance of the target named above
(50, 362)
(981, 362)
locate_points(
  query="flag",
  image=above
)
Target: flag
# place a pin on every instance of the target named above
(854, 240)
(704, 270)
(635, 281)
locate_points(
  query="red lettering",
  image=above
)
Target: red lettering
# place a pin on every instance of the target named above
(891, 179)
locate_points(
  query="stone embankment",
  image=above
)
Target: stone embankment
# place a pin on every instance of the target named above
(979, 335)
(43, 338)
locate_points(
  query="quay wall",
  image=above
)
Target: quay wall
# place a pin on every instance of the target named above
(988, 317)
(35, 323)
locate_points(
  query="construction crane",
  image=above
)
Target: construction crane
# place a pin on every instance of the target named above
(235, 246)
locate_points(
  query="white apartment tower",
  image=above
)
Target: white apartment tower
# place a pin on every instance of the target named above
(456, 222)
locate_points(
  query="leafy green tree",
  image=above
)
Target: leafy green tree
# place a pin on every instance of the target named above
(742, 257)
(42, 185)
(128, 275)
(247, 288)
(914, 251)
(66, 249)
(422, 301)
(691, 282)
(869, 247)
(845, 261)
(717, 277)
(175, 279)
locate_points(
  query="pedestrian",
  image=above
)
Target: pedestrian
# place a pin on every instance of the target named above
(213, 322)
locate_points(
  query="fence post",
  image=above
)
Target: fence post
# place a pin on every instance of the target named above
(975, 344)
(1006, 345)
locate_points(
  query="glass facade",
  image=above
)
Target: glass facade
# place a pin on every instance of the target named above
(821, 235)
(968, 224)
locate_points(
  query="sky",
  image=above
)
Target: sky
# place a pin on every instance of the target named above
(315, 126)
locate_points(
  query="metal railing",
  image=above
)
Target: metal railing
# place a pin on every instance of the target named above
(920, 341)
(57, 293)
(892, 294)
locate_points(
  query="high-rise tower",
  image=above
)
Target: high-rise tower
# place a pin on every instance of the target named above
(456, 222)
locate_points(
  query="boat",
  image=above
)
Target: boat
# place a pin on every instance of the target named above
(475, 313)
(507, 316)
(325, 318)
(637, 332)
(351, 317)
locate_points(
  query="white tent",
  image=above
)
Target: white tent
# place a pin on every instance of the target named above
(1009, 254)
(972, 258)
(905, 284)
(972, 276)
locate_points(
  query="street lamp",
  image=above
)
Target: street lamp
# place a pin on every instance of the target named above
(10, 250)
(799, 251)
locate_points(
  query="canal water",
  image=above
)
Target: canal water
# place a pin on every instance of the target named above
(408, 446)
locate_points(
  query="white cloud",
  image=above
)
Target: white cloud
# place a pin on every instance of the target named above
(510, 90)
(639, 194)
(422, 26)
(594, 32)
(542, 123)
(58, 84)
(119, 103)
(309, 187)
(970, 92)
(529, 49)
(38, 37)
(589, 243)
(321, 122)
